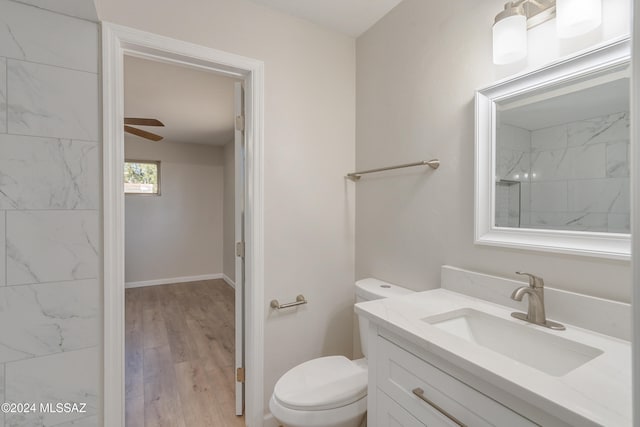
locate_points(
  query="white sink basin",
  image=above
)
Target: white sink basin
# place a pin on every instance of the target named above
(522, 342)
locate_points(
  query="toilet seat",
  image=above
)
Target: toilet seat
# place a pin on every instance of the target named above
(346, 416)
(322, 384)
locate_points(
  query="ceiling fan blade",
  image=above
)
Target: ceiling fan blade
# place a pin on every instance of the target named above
(142, 133)
(142, 122)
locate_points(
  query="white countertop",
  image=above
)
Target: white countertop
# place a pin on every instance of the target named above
(596, 393)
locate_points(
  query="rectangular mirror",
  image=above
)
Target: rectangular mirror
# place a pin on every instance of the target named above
(552, 157)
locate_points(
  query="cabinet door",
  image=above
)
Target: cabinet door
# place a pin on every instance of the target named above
(419, 386)
(390, 414)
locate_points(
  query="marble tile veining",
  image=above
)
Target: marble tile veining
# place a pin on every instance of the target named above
(65, 377)
(570, 163)
(2, 399)
(512, 164)
(52, 102)
(51, 246)
(587, 221)
(47, 173)
(35, 35)
(618, 159)
(547, 220)
(3, 95)
(609, 195)
(614, 127)
(48, 318)
(553, 138)
(3, 249)
(578, 175)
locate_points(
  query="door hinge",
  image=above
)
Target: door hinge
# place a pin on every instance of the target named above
(240, 375)
(240, 123)
(240, 249)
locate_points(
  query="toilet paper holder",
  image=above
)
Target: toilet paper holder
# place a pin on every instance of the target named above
(299, 301)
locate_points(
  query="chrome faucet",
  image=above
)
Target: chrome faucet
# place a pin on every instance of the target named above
(535, 313)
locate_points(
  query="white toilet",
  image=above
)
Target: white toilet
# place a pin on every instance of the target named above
(330, 391)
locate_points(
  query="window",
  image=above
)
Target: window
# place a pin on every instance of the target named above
(141, 177)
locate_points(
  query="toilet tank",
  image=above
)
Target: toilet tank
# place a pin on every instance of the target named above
(371, 289)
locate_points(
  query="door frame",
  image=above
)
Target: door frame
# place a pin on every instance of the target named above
(635, 211)
(117, 41)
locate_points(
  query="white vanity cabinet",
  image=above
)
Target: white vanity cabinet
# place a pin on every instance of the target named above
(424, 370)
(431, 396)
(389, 413)
(406, 389)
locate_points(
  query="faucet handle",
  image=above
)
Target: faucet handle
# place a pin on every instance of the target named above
(534, 281)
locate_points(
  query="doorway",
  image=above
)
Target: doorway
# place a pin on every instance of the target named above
(180, 233)
(119, 41)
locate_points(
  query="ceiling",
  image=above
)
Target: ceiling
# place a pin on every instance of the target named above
(612, 97)
(195, 106)
(350, 17)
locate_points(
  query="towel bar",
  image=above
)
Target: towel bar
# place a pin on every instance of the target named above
(433, 164)
(299, 301)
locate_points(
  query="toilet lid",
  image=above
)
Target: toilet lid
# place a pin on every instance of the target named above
(324, 383)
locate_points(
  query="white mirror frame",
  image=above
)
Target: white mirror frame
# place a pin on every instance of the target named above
(604, 245)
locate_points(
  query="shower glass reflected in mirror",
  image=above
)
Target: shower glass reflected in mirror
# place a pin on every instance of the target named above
(562, 156)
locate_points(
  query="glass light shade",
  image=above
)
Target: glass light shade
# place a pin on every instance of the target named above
(510, 39)
(575, 17)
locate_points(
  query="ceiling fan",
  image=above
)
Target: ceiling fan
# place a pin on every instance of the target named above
(142, 122)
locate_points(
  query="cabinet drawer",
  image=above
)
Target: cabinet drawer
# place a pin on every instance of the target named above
(404, 376)
(390, 414)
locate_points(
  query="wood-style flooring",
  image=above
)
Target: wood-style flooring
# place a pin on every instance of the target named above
(179, 352)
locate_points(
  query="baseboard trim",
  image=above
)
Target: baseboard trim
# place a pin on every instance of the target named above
(229, 281)
(170, 280)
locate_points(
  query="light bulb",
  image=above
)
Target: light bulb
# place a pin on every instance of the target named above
(510, 39)
(576, 17)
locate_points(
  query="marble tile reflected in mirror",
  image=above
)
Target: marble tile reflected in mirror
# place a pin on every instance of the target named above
(562, 157)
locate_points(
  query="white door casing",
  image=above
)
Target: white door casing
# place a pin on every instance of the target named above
(116, 42)
(239, 239)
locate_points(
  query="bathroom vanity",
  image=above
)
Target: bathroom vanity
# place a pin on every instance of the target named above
(455, 356)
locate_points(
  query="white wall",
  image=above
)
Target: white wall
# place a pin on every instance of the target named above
(417, 70)
(49, 218)
(179, 233)
(229, 224)
(309, 146)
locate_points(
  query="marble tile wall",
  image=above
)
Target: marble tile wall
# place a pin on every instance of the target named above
(573, 176)
(580, 175)
(513, 162)
(49, 219)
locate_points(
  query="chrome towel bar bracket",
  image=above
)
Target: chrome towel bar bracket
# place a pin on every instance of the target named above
(433, 164)
(299, 301)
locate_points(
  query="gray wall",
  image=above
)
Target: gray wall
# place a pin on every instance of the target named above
(179, 233)
(49, 219)
(417, 71)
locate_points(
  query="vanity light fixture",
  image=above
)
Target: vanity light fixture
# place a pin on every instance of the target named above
(574, 17)
(510, 34)
(577, 17)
